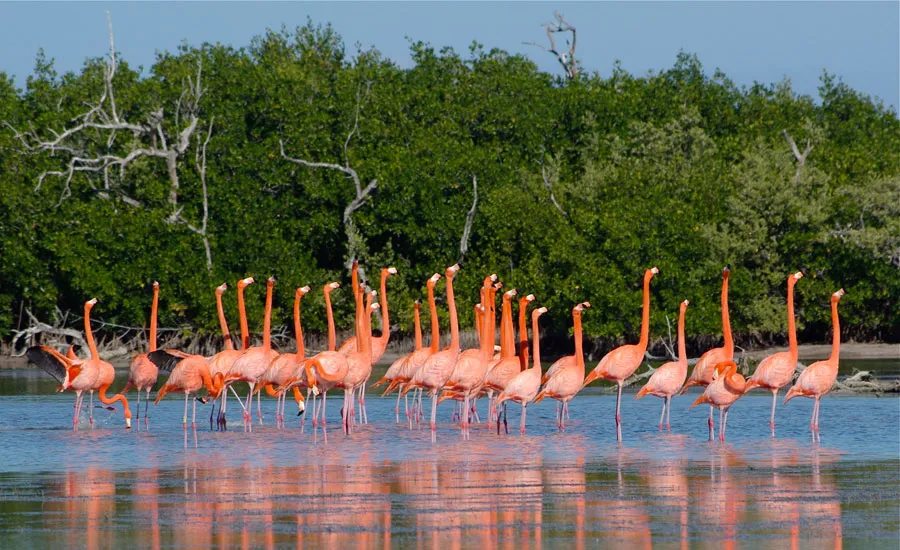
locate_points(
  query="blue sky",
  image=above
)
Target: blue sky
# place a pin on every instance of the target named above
(764, 41)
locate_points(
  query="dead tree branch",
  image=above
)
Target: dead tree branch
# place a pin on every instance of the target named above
(550, 175)
(566, 58)
(470, 218)
(800, 157)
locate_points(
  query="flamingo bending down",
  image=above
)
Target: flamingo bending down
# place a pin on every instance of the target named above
(777, 370)
(224, 360)
(726, 388)
(524, 387)
(143, 373)
(438, 367)
(668, 378)
(621, 362)
(817, 379)
(568, 373)
(278, 378)
(252, 364)
(189, 373)
(330, 366)
(703, 370)
(81, 375)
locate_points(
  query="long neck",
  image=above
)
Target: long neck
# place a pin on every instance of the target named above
(242, 315)
(488, 323)
(153, 318)
(507, 338)
(223, 323)
(298, 330)
(267, 319)
(536, 343)
(645, 316)
(836, 337)
(479, 321)
(418, 326)
(792, 327)
(385, 318)
(682, 351)
(726, 321)
(454, 322)
(116, 398)
(523, 334)
(88, 333)
(435, 324)
(359, 319)
(367, 325)
(579, 351)
(330, 315)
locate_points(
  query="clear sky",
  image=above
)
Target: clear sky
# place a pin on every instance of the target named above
(758, 41)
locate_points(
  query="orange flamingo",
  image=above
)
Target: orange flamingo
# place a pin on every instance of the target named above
(668, 378)
(502, 371)
(81, 375)
(143, 373)
(359, 363)
(523, 330)
(189, 373)
(252, 364)
(330, 365)
(568, 373)
(703, 370)
(279, 376)
(817, 379)
(777, 370)
(523, 388)
(621, 362)
(380, 343)
(726, 388)
(397, 366)
(224, 360)
(438, 367)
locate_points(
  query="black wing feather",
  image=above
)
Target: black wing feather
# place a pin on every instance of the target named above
(164, 360)
(47, 362)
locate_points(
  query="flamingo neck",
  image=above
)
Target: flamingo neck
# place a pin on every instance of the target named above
(726, 321)
(435, 324)
(418, 326)
(645, 316)
(579, 351)
(267, 319)
(116, 398)
(298, 330)
(367, 328)
(330, 316)
(507, 337)
(523, 333)
(454, 322)
(479, 320)
(536, 343)
(792, 327)
(153, 318)
(242, 316)
(88, 333)
(223, 324)
(836, 336)
(489, 322)
(385, 317)
(682, 351)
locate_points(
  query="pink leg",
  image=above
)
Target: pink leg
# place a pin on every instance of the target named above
(522, 423)
(184, 418)
(92, 410)
(772, 418)
(721, 425)
(668, 410)
(434, 416)
(618, 415)
(147, 409)
(194, 415)
(724, 424)
(259, 408)
(662, 416)
(710, 422)
(77, 411)
(475, 410)
(324, 431)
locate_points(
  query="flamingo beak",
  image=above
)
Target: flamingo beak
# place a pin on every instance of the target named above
(593, 375)
(392, 270)
(248, 281)
(530, 297)
(654, 270)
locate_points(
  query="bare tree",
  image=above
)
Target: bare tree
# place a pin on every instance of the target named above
(470, 218)
(801, 157)
(149, 140)
(566, 58)
(356, 245)
(550, 175)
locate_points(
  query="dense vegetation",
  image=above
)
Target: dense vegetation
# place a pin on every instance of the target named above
(676, 169)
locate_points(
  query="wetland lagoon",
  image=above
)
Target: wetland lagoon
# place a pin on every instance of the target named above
(385, 485)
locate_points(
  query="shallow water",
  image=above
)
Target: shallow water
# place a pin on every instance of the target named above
(388, 486)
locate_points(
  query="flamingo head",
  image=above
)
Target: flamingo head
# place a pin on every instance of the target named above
(797, 276)
(451, 271)
(331, 286)
(391, 271)
(90, 303)
(434, 278)
(684, 304)
(837, 295)
(538, 312)
(244, 282)
(302, 291)
(221, 289)
(654, 271)
(529, 298)
(726, 271)
(155, 285)
(270, 281)
(493, 277)
(510, 293)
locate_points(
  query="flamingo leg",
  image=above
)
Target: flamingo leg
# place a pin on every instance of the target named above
(724, 424)
(522, 423)
(92, 409)
(259, 406)
(194, 415)
(78, 396)
(662, 416)
(618, 413)
(434, 416)
(248, 411)
(138, 410)
(397, 409)
(772, 418)
(184, 418)
(558, 423)
(324, 400)
(147, 408)
(668, 410)
(721, 425)
(475, 410)
(710, 422)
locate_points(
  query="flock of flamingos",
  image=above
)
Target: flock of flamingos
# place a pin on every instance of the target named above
(448, 373)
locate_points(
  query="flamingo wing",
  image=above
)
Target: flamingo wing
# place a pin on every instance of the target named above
(164, 359)
(49, 360)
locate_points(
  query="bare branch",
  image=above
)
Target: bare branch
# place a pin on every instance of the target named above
(800, 157)
(548, 183)
(567, 58)
(470, 217)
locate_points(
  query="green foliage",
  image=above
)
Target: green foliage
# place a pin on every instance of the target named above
(675, 169)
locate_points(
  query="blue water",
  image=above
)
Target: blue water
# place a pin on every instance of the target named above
(387, 485)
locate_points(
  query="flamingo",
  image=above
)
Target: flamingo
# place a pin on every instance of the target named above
(80, 375)
(438, 367)
(777, 370)
(252, 364)
(726, 387)
(668, 378)
(223, 361)
(503, 370)
(359, 363)
(189, 373)
(817, 379)
(330, 365)
(279, 376)
(703, 370)
(380, 343)
(568, 373)
(621, 362)
(523, 330)
(397, 366)
(143, 373)
(524, 387)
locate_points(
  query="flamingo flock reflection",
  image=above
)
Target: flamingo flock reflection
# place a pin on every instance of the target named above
(462, 376)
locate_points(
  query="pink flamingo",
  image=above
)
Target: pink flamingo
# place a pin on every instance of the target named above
(777, 370)
(143, 373)
(523, 330)
(703, 370)
(397, 366)
(438, 367)
(621, 362)
(189, 373)
(81, 375)
(568, 373)
(224, 360)
(726, 388)
(523, 388)
(668, 378)
(278, 377)
(330, 366)
(502, 371)
(817, 379)
(252, 364)
(359, 363)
